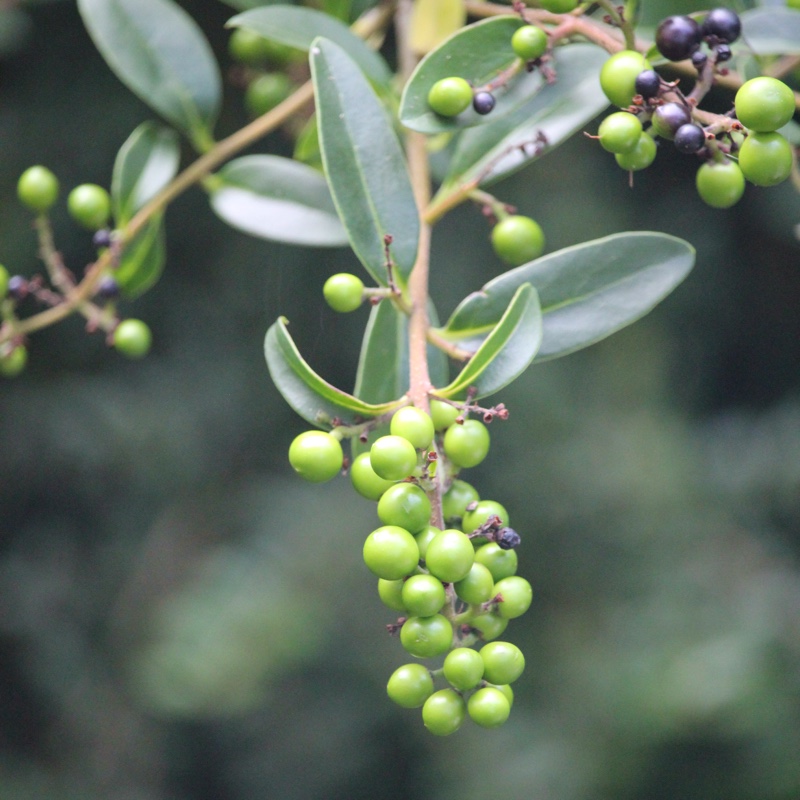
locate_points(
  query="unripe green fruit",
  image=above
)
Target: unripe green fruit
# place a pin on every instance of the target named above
(316, 456)
(89, 205)
(405, 505)
(517, 595)
(765, 159)
(506, 690)
(365, 480)
(444, 712)
(463, 668)
(413, 424)
(3, 281)
(450, 556)
(482, 513)
(248, 47)
(448, 97)
(132, 338)
(501, 563)
(503, 662)
(620, 132)
(468, 444)
(343, 292)
(427, 637)
(517, 240)
(529, 42)
(477, 587)
(618, 76)
(488, 707)
(489, 625)
(423, 595)
(410, 685)
(443, 414)
(37, 188)
(720, 184)
(455, 501)
(391, 552)
(391, 593)
(424, 538)
(764, 104)
(266, 92)
(642, 155)
(393, 457)
(14, 362)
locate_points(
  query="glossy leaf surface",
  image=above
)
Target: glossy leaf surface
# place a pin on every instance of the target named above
(587, 292)
(157, 50)
(364, 163)
(142, 260)
(279, 199)
(772, 30)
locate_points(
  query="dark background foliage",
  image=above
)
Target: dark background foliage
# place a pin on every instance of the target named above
(182, 618)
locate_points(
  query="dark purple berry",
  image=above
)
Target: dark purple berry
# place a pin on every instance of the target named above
(108, 288)
(102, 238)
(507, 539)
(17, 287)
(723, 24)
(668, 118)
(483, 102)
(699, 60)
(678, 37)
(723, 53)
(648, 83)
(689, 138)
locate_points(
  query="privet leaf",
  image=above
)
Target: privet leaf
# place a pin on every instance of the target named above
(365, 166)
(772, 30)
(587, 292)
(279, 199)
(298, 27)
(555, 112)
(143, 259)
(507, 350)
(312, 397)
(145, 164)
(157, 50)
(477, 53)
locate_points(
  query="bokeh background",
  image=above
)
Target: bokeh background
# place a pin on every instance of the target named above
(183, 619)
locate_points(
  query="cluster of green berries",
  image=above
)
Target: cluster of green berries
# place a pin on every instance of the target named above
(751, 150)
(454, 586)
(262, 60)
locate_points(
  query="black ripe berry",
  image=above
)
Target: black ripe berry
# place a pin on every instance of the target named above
(668, 118)
(678, 37)
(483, 102)
(689, 138)
(648, 84)
(722, 25)
(699, 60)
(108, 288)
(17, 287)
(102, 238)
(723, 53)
(508, 539)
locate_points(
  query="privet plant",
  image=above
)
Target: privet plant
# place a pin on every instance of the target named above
(488, 88)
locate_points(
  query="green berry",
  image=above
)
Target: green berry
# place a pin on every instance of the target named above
(517, 240)
(4, 276)
(489, 625)
(503, 662)
(559, 6)
(764, 104)
(248, 47)
(316, 456)
(444, 712)
(413, 424)
(410, 685)
(37, 189)
(406, 505)
(266, 92)
(365, 480)
(424, 538)
(427, 637)
(450, 556)
(488, 707)
(517, 595)
(443, 414)
(468, 444)
(482, 513)
(393, 457)
(463, 668)
(132, 338)
(391, 552)
(477, 586)
(501, 563)
(642, 155)
(506, 690)
(423, 595)
(529, 42)
(620, 132)
(89, 205)
(391, 593)
(720, 184)
(765, 159)
(618, 76)
(343, 292)
(448, 97)
(455, 501)
(11, 364)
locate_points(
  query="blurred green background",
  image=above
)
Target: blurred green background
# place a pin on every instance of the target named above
(182, 619)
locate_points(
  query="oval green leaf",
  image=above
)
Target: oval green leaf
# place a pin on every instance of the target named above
(312, 397)
(298, 27)
(477, 53)
(158, 51)
(548, 118)
(364, 163)
(506, 352)
(142, 260)
(279, 199)
(145, 164)
(771, 30)
(587, 292)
